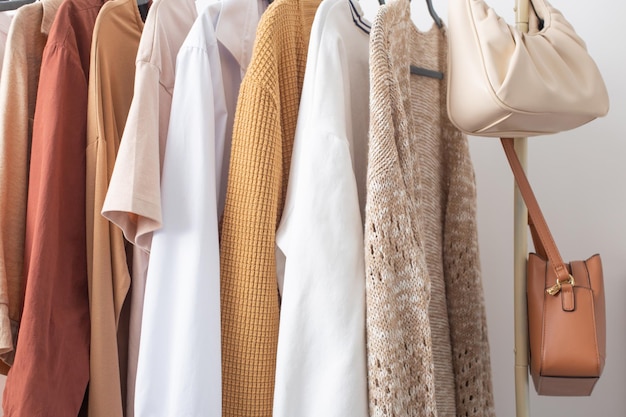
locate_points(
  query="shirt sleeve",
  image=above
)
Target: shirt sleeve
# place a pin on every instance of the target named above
(321, 364)
(181, 316)
(133, 200)
(250, 299)
(14, 145)
(463, 279)
(54, 336)
(321, 357)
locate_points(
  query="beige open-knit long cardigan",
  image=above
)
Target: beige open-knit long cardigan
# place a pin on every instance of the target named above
(428, 353)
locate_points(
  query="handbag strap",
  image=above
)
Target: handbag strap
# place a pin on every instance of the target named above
(542, 238)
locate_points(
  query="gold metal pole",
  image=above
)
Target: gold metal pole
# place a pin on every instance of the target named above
(520, 248)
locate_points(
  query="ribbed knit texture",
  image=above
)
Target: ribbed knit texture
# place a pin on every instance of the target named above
(428, 353)
(263, 134)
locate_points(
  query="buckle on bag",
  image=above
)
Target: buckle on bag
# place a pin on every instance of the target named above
(556, 288)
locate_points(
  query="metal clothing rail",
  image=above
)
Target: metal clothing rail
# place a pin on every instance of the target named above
(520, 249)
(13, 4)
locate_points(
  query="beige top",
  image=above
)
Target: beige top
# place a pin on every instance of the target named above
(133, 200)
(428, 353)
(18, 92)
(5, 24)
(114, 48)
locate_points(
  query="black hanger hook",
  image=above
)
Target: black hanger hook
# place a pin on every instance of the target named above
(431, 10)
(434, 14)
(424, 71)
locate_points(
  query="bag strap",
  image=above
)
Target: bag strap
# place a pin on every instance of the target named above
(542, 238)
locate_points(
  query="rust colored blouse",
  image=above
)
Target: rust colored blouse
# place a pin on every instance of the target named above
(51, 368)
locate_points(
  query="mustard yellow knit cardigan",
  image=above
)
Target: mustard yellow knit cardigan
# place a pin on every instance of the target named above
(263, 134)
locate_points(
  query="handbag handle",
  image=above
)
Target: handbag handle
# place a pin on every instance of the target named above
(541, 235)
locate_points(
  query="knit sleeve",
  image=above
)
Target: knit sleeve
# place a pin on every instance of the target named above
(464, 292)
(398, 326)
(249, 291)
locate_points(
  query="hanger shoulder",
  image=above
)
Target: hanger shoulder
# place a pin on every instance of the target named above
(426, 72)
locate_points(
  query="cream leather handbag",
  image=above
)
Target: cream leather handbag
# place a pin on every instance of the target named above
(503, 82)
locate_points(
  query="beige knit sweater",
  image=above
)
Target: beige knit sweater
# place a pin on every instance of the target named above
(428, 353)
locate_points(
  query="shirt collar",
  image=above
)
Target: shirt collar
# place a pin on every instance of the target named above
(236, 27)
(358, 17)
(49, 11)
(201, 5)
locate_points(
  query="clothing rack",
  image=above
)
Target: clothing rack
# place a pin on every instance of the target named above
(520, 257)
(520, 241)
(6, 5)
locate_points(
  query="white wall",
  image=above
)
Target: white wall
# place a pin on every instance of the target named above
(580, 180)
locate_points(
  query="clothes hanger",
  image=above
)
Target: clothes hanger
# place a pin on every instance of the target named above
(424, 71)
(144, 7)
(431, 10)
(6, 5)
(434, 14)
(356, 18)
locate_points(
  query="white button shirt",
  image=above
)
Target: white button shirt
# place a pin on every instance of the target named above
(321, 360)
(179, 371)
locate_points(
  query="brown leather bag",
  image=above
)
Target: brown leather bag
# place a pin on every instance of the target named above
(566, 310)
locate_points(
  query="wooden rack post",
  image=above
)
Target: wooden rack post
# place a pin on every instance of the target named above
(520, 248)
